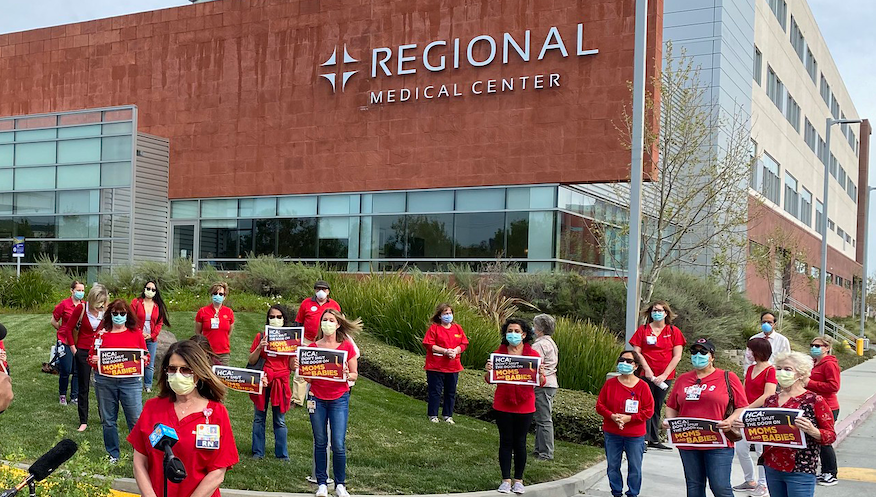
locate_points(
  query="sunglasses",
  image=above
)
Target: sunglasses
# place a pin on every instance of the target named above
(817, 345)
(275, 316)
(185, 370)
(150, 289)
(219, 293)
(115, 313)
(699, 351)
(628, 361)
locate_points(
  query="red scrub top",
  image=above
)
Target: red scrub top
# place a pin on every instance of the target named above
(659, 353)
(278, 370)
(519, 399)
(198, 462)
(310, 314)
(62, 313)
(448, 338)
(219, 338)
(328, 389)
(128, 339)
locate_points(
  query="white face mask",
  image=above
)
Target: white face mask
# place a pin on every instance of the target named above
(321, 295)
(328, 328)
(149, 293)
(275, 322)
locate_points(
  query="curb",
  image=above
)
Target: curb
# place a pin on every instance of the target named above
(572, 485)
(847, 425)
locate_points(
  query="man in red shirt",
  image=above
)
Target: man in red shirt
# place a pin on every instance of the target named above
(309, 315)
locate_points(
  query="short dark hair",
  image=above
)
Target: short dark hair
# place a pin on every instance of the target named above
(119, 305)
(760, 349)
(436, 318)
(771, 313)
(76, 282)
(524, 325)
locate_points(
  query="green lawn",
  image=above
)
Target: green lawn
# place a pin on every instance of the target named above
(391, 447)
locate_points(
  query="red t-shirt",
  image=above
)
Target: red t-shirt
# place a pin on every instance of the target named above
(310, 314)
(825, 381)
(447, 338)
(128, 339)
(518, 399)
(277, 369)
(658, 353)
(4, 364)
(198, 462)
(754, 387)
(331, 390)
(62, 313)
(713, 397)
(613, 399)
(219, 338)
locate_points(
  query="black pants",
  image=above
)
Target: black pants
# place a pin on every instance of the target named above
(83, 376)
(828, 455)
(653, 425)
(441, 384)
(513, 428)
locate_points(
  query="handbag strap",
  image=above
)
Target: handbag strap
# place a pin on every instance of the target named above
(731, 405)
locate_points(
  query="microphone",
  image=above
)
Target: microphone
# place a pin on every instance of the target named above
(46, 465)
(2, 331)
(163, 438)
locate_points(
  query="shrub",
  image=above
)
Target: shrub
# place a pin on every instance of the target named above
(587, 353)
(574, 413)
(268, 275)
(28, 291)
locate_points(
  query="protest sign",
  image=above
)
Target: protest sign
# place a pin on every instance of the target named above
(284, 341)
(514, 369)
(773, 426)
(120, 363)
(240, 379)
(322, 364)
(695, 432)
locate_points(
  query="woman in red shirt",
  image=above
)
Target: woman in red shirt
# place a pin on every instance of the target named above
(825, 381)
(660, 344)
(65, 351)
(216, 322)
(190, 402)
(760, 383)
(119, 332)
(514, 406)
(277, 394)
(625, 404)
(150, 303)
(79, 331)
(705, 393)
(791, 471)
(444, 341)
(330, 399)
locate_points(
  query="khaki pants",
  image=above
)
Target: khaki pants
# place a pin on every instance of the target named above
(299, 389)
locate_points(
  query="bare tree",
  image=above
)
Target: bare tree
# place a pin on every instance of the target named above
(778, 260)
(696, 209)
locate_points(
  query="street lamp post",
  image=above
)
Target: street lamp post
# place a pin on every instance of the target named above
(864, 262)
(822, 290)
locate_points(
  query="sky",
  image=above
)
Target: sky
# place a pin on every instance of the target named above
(847, 26)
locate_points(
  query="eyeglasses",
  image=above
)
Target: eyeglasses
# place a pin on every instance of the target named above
(185, 370)
(219, 293)
(114, 313)
(626, 360)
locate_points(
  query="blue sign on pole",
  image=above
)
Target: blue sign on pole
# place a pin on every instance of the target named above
(18, 246)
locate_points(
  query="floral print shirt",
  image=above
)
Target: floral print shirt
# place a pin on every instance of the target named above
(790, 460)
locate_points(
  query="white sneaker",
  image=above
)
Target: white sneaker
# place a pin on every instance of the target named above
(449, 420)
(341, 491)
(434, 419)
(322, 491)
(504, 488)
(759, 491)
(518, 488)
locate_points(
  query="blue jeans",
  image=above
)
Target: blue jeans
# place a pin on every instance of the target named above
(258, 430)
(441, 384)
(114, 391)
(150, 368)
(615, 446)
(783, 484)
(711, 464)
(334, 413)
(66, 369)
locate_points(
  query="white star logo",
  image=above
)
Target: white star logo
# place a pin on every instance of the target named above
(345, 75)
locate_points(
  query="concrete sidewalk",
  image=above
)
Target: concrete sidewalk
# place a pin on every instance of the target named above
(663, 474)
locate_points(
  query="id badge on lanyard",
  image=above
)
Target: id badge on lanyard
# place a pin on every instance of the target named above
(694, 392)
(651, 340)
(214, 323)
(207, 435)
(631, 406)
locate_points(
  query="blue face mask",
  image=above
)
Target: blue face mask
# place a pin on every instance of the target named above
(447, 318)
(766, 328)
(514, 338)
(658, 316)
(624, 368)
(218, 299)
(699, 361)
(78, 295)
(815, 351)
(119, 319)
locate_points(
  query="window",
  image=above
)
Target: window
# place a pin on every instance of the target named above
(834, 167)
(834, 107)
(792, 199)
(801, 267)
(797, 40)
(116, 148)
(775, 88)
(480, 199)
(754, 163)
(479, 235)
(852, 190)
(830, 224)
(431, 236)
(296, 206)
(841, 176)
(219, 208)
(852, 140)
(822, 151)
(819, 215)
(814, 272)
(805, 207)
(770, 184)
(780, 10)
(811, 66)
(841, 233)
(810, 136)
(28, 154)
(296, 238)
(34, 178)
(758, 66)
(792, 113)
(825, 90)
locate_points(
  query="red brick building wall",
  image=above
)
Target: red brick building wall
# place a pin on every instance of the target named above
(236, 87)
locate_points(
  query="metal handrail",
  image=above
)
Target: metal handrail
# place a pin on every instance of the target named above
(800, 308)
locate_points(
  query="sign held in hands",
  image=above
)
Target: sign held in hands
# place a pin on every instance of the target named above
(514, 369)
(322, 364)
(120, 363)
(695, 432)
(284, 341)
(240, 379)
(773, 426)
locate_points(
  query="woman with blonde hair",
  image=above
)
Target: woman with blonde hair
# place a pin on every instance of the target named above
(216, 322)
(189, 401)
(330, 408)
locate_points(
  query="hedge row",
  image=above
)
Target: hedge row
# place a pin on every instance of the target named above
(575, 418)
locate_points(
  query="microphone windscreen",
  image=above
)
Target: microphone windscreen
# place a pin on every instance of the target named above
(51, 460)
(2, 332)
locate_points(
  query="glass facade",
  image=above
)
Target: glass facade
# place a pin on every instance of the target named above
(65, 185)
(539, 228)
